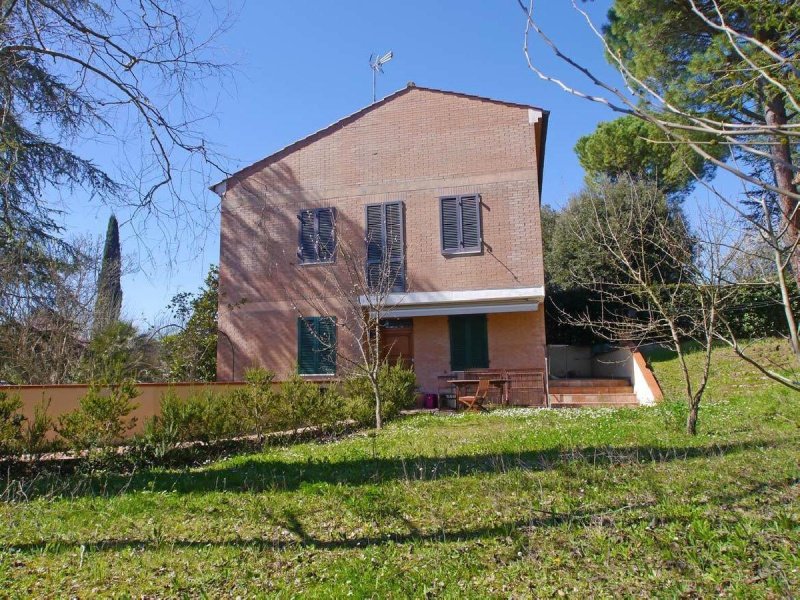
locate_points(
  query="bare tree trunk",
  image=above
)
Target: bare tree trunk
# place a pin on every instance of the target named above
(691, 420)
(787, 307)
(376, 391)
(780, 268)
(775, 116)
(377, 395)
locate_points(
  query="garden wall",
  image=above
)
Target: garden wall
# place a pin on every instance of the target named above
(66, 398)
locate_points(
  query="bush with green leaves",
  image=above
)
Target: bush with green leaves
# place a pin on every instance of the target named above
(102, 418)
(34, 434)
(191, 353)
(10, 424)
(260, 409)
(306, 404)
(205, 416)
(397, 386)
(20, 435)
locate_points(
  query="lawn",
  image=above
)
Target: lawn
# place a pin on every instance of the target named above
(516, 503)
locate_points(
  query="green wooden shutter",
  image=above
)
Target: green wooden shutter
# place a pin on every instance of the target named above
(326, 345)
(469, 342)
(326, 234)
(317, 239)
(458, 344)
(385, 242)
(395, 246)
(470, 224)
(316, 345)
(306, 338)
(375, 243)
(307, 241)
(450, 233)
(461, 224)
(479, 343)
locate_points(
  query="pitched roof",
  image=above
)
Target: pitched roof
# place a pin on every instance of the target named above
(352, 117)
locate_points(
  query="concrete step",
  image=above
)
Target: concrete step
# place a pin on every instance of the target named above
(594, 405)
(588, 400)
(620, 389)
(594, 382)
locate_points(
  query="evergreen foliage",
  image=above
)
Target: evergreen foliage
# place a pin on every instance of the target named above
(572, 261)
(191, 354)
(630, 145)
(108, 306)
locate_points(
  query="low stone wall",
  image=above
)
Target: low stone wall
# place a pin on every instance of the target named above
(645, 385)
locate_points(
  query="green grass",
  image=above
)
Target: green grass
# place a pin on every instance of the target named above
(599, 503)
(730, 376)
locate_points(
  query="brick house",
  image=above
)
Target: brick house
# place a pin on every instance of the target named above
(459, 175)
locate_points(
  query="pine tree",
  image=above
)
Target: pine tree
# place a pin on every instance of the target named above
(108, 305)
(697, 68)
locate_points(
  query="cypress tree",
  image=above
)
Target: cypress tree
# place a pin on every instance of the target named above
(108, 305)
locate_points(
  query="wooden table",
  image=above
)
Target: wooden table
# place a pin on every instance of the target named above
(499, 382)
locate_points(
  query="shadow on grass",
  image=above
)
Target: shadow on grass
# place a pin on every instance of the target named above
(259, 473)
(612, 516)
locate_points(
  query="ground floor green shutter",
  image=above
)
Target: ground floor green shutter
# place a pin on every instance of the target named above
(316, 346)
(469, 342)
(326, 345)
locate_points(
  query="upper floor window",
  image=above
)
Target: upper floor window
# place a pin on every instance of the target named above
(317, 239)
(461, 224)
(385, 247)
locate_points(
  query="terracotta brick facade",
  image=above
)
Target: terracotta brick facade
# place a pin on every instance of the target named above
(516, 341)
(415, 146)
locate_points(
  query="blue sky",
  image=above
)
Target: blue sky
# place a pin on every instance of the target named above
(301, 66)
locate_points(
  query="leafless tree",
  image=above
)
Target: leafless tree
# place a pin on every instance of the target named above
(768, 139)
(131, 75)
(49, 337)
(659, 289)
(365, 282)
(44, 335)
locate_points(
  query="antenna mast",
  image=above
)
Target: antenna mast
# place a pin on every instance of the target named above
(376, 64)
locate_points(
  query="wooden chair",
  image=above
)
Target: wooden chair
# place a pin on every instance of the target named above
(476, 402)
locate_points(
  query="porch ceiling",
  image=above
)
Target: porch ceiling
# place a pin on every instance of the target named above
(459, 302)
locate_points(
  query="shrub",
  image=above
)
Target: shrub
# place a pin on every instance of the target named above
(259, 407)
(164, 431)
(256, 409)
(10, 424)
(396, 385)
(201, 417)
(307, 405)
(16, 438)
(34, 435)
(101, 420)
(218, 417)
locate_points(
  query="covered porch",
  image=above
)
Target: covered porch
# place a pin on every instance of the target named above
(471, 335)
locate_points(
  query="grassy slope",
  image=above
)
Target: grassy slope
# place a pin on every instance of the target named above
(599, 502)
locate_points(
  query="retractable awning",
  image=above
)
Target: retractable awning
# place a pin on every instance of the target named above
(458, 302)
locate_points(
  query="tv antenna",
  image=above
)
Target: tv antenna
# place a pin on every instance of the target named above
(376, 64)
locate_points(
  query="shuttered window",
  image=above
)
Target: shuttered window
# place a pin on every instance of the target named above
(469, 342)
(384, 232)
(316, 346)
(461, 224)
(317, 239)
